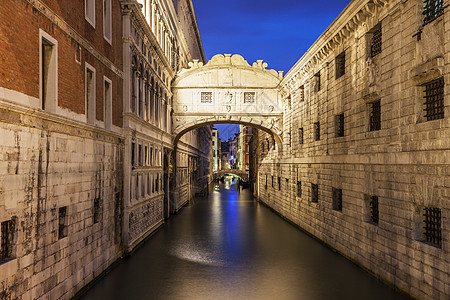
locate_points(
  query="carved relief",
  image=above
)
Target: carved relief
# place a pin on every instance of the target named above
(372, 72)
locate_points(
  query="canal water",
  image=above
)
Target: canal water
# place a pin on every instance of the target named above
(228, 246)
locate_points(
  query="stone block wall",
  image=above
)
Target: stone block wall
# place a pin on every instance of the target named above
(404, 164)
(61, 183)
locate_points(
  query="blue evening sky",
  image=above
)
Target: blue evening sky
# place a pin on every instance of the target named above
(276, 31)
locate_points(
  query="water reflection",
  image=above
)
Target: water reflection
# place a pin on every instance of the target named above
(229, 247)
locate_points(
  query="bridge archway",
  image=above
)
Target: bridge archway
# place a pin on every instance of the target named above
(227, 90)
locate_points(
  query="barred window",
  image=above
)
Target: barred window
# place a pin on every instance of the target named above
(8, 228)
(431, 219)
(301, 92)
(249, 97)
(299, 188)
(206, 97)
(317, 78)
(300, 135)
(340, 65)
(375, 115)
(279, 183)
(373, 208)
(314, 193)
(434, 99)
(265, 186)
(272, 181)
(432, 9)
(337, 199)
(339, 125)
(376, 41)
(317, 131)
(62, 222)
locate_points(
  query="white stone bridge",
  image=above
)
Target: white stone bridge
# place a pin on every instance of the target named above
(227, 90)
(237, 172)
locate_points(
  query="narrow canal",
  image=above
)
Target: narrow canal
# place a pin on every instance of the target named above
(230, 247)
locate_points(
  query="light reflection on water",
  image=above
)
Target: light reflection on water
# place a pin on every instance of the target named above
(229, 247)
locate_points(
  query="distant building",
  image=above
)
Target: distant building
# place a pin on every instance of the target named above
(216, 149)
(225, 155)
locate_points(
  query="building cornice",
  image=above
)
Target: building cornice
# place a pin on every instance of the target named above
(342, 28)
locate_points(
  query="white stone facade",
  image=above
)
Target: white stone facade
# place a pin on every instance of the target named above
(331, 170)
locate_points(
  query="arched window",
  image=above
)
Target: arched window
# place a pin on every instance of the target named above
(152, 99)
(141, 98)
(133, 84)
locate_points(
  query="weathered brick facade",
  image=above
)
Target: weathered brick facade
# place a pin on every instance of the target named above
(401, 161)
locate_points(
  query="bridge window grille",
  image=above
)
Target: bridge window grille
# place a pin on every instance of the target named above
(279, 183)
(7, 239)
(376, 41)
(373, 207)
(249, 97)
(299, 188)
(375, 115)
(340, 65)
(432, 9)
(339, 125)
(432, 225)
(314, 193)
(317, 131)
(434, 99)
(336, 195)
(206, 97)
(62, 222)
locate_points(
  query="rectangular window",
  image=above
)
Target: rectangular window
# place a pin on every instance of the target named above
(62, 222)
(434, 99)
(339, 125)
(376, 41)
(373, 209)
(318, 83)
(279, 183)
(431, 225)
(151, 156)
(48, 67)
(206, 97)
(107, 102)
(272, 181)
(300, 135)
(249, 97)
(336, 195)
(314, 193)
(299, 188)
(432, 9)
(375, 115)
(340, 65)
(265, 185)
(317, 131)
(90, 94)
(8, 229)
(133, 148)
(97, 210)
(301, 92)
(107, 20)
(89, 7)
(140, 155)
